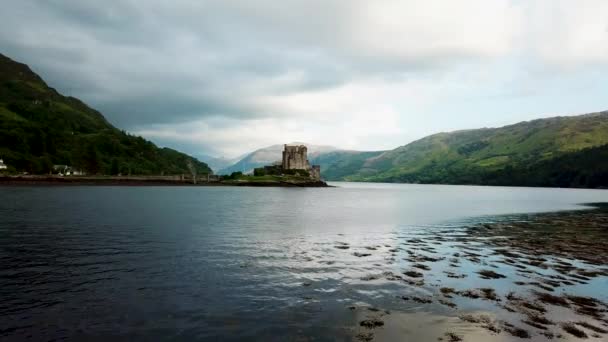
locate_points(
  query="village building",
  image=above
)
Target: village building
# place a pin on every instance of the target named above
(66, 170)
(2, 165)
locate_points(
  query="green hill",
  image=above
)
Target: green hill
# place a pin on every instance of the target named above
(587, 168)
(479, 156)
(340, 163)
(40, 128)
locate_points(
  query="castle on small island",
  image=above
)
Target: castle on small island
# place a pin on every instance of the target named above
(294, 162)
(295, 157)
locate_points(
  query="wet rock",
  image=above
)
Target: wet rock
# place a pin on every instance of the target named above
(421, 266)
(551, 299)
(475, 318)
(360, 255)
(413, 274)
(489, 294)
(592, 274)
(517, 332)
(509, 308)
(592, 327)
(454, 275)
(365, 336)
(447, 303)
(550, 282)
(544, 287)
(533, 306)
(573, 330)
(452, 337)
(422, 258)
(446, 291)
(391, 276)
(587, 306)
(584, 301)
(422, 300)
(534, 324)
(371, 323)
(489, 274)
(370, 277)
(469, 294)
(538, 319)
(485, 321)
(492, 327)
(411, 282)
(549, 335)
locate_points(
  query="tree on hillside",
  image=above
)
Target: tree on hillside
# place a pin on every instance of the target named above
(92, 163)
(114, 169)
(192, 169)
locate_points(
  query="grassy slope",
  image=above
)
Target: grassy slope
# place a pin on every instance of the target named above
(337, 164)
(39, 127)
(467, 156)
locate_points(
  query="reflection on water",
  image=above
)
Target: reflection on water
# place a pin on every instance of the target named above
(381, 262)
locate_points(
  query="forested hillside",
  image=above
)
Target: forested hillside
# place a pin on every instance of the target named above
(539, 152)
(40, 128)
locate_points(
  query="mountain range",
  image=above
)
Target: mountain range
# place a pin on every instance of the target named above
(567, 151)
(329, 157)
(40, 128)
(496, 155)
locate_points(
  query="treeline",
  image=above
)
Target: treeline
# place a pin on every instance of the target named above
(587, 168)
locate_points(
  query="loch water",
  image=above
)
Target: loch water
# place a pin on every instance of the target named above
(245, 263)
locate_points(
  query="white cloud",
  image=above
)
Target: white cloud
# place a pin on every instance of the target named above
(568, 33)
(231, 76)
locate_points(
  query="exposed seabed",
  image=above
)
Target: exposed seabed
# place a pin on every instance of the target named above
(538, 277)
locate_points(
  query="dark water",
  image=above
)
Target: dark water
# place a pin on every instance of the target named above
(184, 263)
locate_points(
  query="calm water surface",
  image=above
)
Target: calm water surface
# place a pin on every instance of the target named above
(184, 263)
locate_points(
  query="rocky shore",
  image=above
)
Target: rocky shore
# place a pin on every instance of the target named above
(536, 277)
(149, 181)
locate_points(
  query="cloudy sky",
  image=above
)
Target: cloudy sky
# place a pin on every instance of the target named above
(225, 77)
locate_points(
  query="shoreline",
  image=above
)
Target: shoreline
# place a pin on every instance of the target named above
(147, 181)
(534, 276)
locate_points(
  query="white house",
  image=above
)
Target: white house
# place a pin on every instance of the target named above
(2, 165)
(66, 170)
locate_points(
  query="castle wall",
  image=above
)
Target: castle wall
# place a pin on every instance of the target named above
(315, 172)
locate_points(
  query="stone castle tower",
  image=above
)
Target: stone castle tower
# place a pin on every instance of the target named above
(295, 157)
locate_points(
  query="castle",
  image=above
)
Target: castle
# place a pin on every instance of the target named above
(295, 157)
